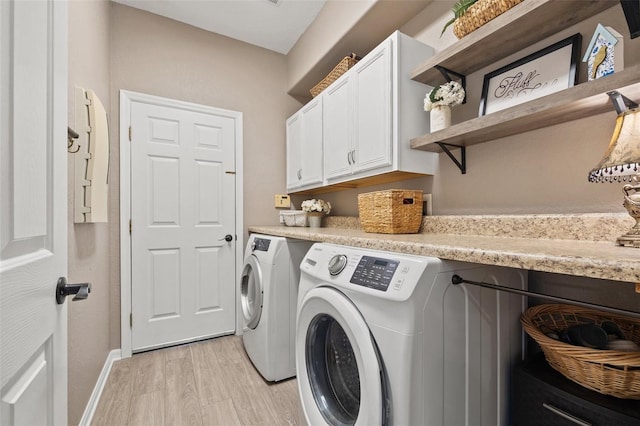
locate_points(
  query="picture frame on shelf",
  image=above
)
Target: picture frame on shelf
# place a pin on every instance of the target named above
(631, 9)
(542, 73)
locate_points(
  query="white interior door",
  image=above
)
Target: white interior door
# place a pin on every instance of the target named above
(33, 200)
(182, 208)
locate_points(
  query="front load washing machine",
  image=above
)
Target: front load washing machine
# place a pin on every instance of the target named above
(268, 294)
(386, 338)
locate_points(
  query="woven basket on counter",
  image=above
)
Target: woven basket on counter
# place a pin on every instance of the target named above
(479, 14)
(343, 66)
(293, 218)
(394, 211)
(609, 372)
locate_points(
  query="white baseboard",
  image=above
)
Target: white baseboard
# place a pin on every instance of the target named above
(92, 404)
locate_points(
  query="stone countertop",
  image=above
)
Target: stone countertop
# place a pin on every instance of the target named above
(580, 257)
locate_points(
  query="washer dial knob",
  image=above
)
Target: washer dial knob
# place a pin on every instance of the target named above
(337, 264)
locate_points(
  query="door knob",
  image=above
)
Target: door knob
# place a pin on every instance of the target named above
(228, 238)
(63, 290)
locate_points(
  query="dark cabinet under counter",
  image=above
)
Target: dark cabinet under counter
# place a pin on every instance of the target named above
(542, 396)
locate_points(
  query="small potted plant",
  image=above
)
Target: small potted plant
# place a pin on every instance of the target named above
(439, 102)
(469, 15)
(459, 9)
(315, 209)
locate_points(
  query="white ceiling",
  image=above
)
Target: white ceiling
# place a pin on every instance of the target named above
(275, 27)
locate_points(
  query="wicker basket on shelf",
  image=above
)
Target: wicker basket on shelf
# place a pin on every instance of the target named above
(343, 66)
(609, 372)
(479, 14)
(394, 211)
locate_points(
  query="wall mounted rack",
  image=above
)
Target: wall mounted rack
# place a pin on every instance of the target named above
(523, 25)
(457, 279)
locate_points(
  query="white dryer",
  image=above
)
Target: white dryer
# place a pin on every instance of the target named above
(268, 294)
(385, 338)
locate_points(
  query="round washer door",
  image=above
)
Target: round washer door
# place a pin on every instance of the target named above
(251, 292)
(337, 362)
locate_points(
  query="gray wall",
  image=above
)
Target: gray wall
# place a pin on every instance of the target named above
(89, 253)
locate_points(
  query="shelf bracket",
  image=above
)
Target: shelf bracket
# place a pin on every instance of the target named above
(447, 73)
(462, 164)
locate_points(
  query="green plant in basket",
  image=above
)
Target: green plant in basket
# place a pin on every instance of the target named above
(459, 9)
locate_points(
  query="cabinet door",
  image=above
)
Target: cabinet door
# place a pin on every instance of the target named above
(337, 129)
(372, 140)
(294, 153)
(311, 143)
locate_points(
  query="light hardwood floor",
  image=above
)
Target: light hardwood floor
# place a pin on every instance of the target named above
(205, 383)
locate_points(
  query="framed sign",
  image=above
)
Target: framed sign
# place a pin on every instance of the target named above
(546, 71)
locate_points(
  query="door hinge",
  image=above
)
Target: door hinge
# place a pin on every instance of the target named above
(130, 320)
(129, 133)
(129, 226)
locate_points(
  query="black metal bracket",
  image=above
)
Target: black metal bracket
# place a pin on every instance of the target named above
(447, 73)
(462, 164)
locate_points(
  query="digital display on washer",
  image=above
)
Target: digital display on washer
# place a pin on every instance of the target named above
(374, 272)
(261, 244)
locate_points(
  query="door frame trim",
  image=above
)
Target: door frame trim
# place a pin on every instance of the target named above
(126, 99)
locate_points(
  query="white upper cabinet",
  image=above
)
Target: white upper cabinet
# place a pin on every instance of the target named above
(357, 119)
(337, 135)
(372, 119)
(304, 147)
(369, 116)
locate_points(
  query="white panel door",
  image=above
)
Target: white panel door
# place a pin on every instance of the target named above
(182, 207)
(33, 215)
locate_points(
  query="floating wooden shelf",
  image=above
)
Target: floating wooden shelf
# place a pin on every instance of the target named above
(517, 28)
(576, 102)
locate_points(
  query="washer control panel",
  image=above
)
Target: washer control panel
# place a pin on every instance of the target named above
(374, 272)
(387, 275)
(337, 264)
(260, 244)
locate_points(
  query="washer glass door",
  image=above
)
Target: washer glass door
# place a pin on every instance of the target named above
(251, 292)
(339, 368)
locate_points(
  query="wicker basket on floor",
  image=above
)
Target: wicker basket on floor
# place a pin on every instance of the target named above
(394, 211)
(609, 372)
(343, 66)
(479, 14)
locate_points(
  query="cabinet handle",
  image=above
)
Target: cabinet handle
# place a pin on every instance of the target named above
(351, 156)
(299, 174)
(566, 415)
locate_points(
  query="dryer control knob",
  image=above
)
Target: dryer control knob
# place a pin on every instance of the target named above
(337, 264)
(253, 246)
